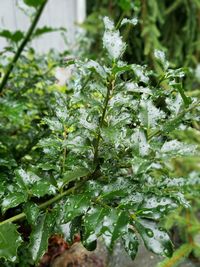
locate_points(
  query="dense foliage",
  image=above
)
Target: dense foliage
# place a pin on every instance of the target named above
(98, 157)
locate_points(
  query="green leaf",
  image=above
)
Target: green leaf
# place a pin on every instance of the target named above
(12, 200)
(131, 243)
(25, 179)
(133, 21)
(12, 36)
(75, 174)
(176, 148)
(112, 40)
(149, 114)
(74, 206)
(93, 222)
(34, 3)
(93, 65)
(115, 225)
(40, 31)
(10, 240)
(32, 212)
(42, 188)
(117, 188)
(154, 207)
(155, 239)
(140, 144)
(40, 235)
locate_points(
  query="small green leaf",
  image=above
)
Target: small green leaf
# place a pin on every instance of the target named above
(149, 114)
(40, 235)
(130, 241)
(115, 225)
(32, 212)
(74, 206)
(75, 174)
(112, 40)
(93, 65)
(12, 200)
(12, 36)
(10, 240)
(93, 223)
(155, 207)
(42, 188)
(133, 21)
(34, 3)
(40, 31)
(25, 179)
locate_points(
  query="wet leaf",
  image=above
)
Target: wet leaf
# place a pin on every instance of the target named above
(112, 40)
(115, 225)
(73, 175)
(131, 243)
(155, 238)
(93, 221)
(42, 188)
(12, 200)
(9, 246)
(40, 235)
(32, 212)
(74, 206)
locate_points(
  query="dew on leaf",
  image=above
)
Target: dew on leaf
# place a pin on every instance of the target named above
(149, 232)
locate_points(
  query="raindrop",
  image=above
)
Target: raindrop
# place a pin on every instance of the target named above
(149, 232)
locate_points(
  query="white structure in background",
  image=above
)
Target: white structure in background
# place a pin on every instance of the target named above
(57, 13)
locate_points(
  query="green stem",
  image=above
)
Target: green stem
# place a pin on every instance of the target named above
(41, 206)
(110, 88)
(120, 20)
(22, 46)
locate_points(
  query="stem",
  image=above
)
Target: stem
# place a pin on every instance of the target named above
(41, 206)
(120, 20)
(110, 88)
(22, 46)
(64, 150)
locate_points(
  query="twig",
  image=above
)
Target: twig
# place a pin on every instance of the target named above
(42, 206)
(110, 88)
(22, 46)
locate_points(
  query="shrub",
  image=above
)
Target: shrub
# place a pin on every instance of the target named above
(104, 167)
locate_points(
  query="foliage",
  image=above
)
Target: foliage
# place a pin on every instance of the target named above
(170, 26)
(95, 159)
(173, 27)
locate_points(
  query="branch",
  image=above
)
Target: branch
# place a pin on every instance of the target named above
(41, 206)
(22, 46)
(110, 88)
